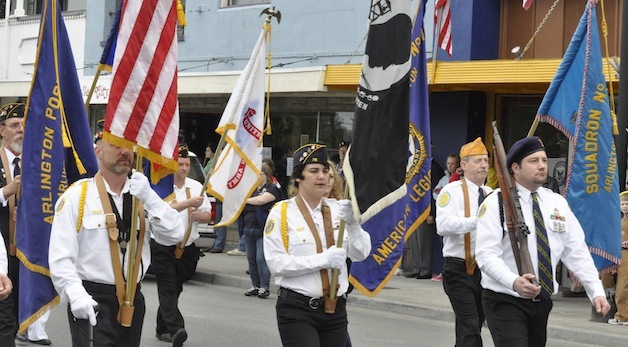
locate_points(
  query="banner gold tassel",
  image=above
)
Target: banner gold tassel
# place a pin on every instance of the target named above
(181, 14)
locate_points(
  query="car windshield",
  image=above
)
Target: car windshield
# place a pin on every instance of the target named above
(196, 170)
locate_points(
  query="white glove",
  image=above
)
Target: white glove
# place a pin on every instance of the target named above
(346, 212)
(336, 257)
(83, 308)
(140, 188)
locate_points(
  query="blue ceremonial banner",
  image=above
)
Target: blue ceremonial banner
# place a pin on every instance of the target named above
(56, 133)
(577, 104)
(388, 166)
(106, 60)
(163, 186)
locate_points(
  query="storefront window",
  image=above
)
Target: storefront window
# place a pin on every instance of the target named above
(517, 115)
(290, 130)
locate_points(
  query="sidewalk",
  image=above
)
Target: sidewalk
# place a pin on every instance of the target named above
(569, 320)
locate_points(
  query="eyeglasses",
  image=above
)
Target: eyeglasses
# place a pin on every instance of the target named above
(14, 126)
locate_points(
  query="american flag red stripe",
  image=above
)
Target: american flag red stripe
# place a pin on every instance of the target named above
(526, 4)
(442, 12)
(143, 105)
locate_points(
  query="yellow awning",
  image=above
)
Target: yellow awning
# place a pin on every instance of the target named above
(499, 76)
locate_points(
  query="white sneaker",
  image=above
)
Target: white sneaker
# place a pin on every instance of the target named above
(236, 252)
(614, 321)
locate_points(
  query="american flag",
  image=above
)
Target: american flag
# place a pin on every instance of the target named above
(143, 109)
(442, 18)
(526, 4)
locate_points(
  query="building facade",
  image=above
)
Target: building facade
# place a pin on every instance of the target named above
(317, 50)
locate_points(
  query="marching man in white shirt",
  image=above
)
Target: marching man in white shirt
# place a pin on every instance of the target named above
(516, 308)
(89, 248)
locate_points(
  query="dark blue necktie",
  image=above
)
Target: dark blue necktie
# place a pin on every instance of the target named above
(546, 278)
(16, 168)
(481, 196)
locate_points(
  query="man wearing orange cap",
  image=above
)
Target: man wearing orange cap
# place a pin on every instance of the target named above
(456, 221)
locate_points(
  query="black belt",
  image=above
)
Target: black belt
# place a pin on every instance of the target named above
(313, 303)
(455, 260)
(93, 287)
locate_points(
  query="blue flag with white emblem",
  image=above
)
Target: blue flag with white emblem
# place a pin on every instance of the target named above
(577, 104)
(108, 53)
(57, 150)
(389, 159)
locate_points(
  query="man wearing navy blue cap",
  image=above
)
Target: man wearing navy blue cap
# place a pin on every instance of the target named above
(516, 308)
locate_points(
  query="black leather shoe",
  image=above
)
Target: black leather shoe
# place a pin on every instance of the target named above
(423, 277)
(179, 337)
(43, 342)
(409, 274)
(21, 338)
(163, 337)
(215, 250)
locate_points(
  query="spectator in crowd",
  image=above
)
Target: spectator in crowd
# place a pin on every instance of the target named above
(621, 286)
(254, 218)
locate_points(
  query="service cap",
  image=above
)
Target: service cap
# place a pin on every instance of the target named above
(473, 148)
(313, 153)
(184, 150)
(12, 110)
(523, 148)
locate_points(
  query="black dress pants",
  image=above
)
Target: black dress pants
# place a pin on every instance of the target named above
(516, 322)
(7, 323)
(465, 295)
(170, 274)
(108, 332)
(302, 326)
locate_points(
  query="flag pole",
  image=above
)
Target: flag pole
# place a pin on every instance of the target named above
(622, 113)
(341, 234)
(91, 90)
(178, 251)
(270, 12)
(127, 307)
(435, 44)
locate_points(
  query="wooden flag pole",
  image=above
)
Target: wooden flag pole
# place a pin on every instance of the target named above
(127, 308)
(341, 234)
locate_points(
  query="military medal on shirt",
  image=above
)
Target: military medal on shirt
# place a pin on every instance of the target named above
(557, 222)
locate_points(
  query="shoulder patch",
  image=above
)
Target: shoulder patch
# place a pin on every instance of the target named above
(270, 226)
(444, 199)
(481, 211)
(60, 205)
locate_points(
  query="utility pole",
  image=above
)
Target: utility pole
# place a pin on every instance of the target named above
(622, 114)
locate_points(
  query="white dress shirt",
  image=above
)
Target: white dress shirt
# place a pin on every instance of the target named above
(4, 261)
(10, 158)
(85, 255)
(299, 268)
(566, 239)
(451, 223)
(181, 195)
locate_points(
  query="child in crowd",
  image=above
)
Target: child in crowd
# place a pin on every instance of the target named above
(621, 293)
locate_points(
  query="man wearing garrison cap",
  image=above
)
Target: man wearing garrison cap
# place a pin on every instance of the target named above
(194, 207)
(456, 221)
(299, 247)
(516, 307)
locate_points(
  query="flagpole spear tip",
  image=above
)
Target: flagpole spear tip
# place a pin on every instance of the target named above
(270, 13)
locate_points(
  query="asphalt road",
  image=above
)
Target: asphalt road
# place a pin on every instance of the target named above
(223, 316)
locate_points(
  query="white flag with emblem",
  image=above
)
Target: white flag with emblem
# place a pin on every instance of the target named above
(236, 174)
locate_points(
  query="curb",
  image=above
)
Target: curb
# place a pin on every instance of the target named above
(554, 331)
